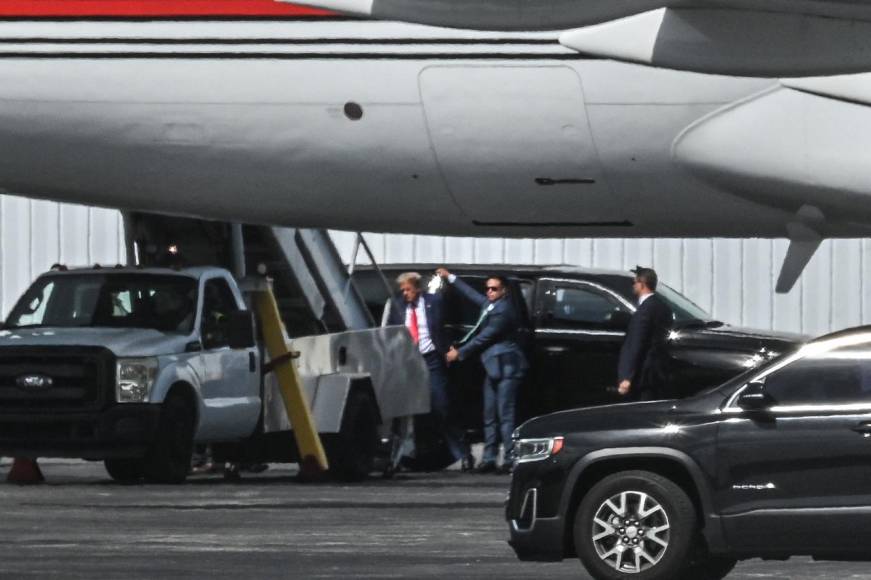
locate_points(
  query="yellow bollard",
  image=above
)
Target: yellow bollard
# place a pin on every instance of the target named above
(311, 450)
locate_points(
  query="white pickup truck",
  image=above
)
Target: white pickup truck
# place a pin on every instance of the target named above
(133, 366)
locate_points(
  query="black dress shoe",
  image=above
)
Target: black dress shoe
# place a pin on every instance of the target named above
(486, 467)
(468, 463)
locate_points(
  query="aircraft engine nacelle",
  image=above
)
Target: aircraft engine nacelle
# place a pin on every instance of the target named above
(492, 14)
(761, 43)
(804, 145)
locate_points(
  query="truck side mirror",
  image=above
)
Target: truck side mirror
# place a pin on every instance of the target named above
(240, 329)
(754, 397)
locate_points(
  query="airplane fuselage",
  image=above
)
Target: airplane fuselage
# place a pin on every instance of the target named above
(362, 125)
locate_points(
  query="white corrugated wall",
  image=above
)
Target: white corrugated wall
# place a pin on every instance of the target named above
(36, 234)
(732, 279)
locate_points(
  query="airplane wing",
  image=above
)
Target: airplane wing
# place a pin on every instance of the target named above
(780, 38)
(757, 39)
(527, 15)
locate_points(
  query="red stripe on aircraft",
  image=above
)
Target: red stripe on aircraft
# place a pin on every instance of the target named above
(155, 8)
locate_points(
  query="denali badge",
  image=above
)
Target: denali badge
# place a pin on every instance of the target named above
(754, 486)
(34, 382)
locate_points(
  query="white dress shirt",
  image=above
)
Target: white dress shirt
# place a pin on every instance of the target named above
(641, 299)
(424, 342)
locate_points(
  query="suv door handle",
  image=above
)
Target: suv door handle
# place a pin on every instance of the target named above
(863, 428)
(556, 349)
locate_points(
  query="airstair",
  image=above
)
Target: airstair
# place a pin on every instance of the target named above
(312, 286)
(308, 275)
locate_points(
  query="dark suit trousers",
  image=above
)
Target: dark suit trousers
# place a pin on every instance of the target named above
(441, 405)
(500, 399)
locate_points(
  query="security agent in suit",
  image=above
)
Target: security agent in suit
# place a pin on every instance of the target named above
(494, 338)
(643, 365)
(423, 315)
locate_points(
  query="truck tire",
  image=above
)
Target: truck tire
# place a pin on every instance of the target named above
(635, 523)
(125, 471)
(168, 460)
(351, 453)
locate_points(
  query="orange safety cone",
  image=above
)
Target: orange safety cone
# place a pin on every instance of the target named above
(25, 471)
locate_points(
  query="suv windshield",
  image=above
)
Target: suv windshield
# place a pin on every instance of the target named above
(684, 309)
(160, 302)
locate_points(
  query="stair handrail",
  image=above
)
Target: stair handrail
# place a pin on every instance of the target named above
(360, 241)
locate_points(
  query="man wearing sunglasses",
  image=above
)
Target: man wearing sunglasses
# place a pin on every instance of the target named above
(494, 338)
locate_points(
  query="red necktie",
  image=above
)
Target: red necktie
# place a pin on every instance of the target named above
(412, 325)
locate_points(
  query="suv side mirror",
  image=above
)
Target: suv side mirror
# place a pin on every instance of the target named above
(754, 397)
(240, 329)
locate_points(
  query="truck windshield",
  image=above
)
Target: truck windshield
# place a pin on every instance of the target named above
(160, 302)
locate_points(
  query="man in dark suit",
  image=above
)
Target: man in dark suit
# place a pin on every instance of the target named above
(494, 339)
(423, 315)
(642, 369)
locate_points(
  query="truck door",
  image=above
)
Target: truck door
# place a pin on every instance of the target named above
(230, 378)
(580, 327)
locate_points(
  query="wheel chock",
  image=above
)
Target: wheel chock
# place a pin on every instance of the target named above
(25, 471)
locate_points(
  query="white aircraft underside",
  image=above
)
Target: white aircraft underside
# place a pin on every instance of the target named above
(798, 144)
(466, 133)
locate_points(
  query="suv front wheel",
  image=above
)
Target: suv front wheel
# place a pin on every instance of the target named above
(635, 523)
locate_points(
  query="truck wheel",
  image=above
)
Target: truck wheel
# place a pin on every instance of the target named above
(169, 458)
(352, 452)
(124, 470)
(635, 523)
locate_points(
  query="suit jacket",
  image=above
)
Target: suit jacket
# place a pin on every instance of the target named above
(435, 318)
(644, 355)
(496, 337)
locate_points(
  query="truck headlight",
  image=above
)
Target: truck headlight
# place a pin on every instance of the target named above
(134, 378)
(527, 450)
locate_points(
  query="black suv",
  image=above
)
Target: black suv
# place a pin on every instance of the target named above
(574, 323)
(773, 463)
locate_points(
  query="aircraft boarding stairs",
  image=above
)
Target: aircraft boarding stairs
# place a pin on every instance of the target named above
(309, 278)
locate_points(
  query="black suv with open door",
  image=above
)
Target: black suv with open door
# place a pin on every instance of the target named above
(573, 324)
(773, 463)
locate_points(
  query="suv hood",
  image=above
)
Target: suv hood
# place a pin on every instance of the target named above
(121, 341)
(750, 338)
(631, 415)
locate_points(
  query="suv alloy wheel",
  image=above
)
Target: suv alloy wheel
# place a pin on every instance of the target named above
(635, 524)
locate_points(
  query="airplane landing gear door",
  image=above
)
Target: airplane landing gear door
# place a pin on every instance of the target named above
(523, 133)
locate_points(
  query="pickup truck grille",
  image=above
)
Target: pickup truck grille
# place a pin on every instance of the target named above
(55, 378)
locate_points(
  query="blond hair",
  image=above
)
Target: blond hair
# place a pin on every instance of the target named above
(413, 277)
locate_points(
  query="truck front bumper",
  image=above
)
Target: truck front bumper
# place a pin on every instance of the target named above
(118, 431)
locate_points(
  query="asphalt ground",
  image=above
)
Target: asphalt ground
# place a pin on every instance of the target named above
(80, 524)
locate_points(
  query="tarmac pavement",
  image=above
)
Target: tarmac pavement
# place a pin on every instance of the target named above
(80, 524)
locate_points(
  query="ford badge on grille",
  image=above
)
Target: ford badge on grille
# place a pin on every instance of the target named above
(34, 382)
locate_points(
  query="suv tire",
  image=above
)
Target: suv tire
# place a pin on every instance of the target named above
(635, 523)
(351, 452)
(125, 471)
(168, 460)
